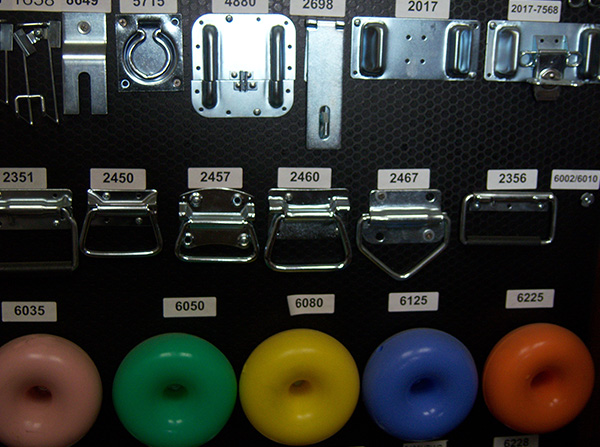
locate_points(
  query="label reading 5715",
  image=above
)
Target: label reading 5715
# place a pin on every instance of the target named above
(241, 6)
(413, 302)
(322, 8)
(517, 441)
(189, 307)
(23, 178)
(28, 311)
(530, 299)
(118, 179)
(311, 304)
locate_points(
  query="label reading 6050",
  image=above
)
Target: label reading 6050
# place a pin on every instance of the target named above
(189, 307)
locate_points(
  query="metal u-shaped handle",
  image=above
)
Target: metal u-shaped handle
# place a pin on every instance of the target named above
(210, 59)
(163, 41)
(277, 62)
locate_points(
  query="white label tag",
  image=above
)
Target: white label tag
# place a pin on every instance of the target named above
(311, 304)
(189, 307)
(199, 178)
(423, 9)
(318, 8)
(512, 179)
(403, 179)
(575, 179)
(29, 311)
(304, 178)
(517, 441)
(534, 10)
(148, 6)
(23, 178)
(86, 6)
(413, 302)
(118, 179)
(530, 299)
(443, 443)
(241, 6)
(56, 5)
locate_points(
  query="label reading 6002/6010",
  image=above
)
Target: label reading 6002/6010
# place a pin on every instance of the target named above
(575, 179)
(29, 311)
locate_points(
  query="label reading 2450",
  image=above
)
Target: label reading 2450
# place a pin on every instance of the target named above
(118, 179)
(23, 178)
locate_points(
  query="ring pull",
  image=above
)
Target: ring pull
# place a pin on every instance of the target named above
(164, 42)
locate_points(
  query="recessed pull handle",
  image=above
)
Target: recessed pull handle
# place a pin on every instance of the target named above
(277, 66)
(458, 59)
(507, 52)
(372, 49)
(589, 47)
(210, 39)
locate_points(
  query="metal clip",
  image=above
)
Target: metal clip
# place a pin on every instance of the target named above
(217, 217)
(395, 48)
(26, 37)
(117, 209)
(44, 209)
(150, 52)
(244, 65)
(508, 202)
(543, 54)
(84, 51)
(308, 214)
(404, 217)
(6, 45)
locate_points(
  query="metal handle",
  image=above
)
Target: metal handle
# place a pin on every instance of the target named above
(163, 41)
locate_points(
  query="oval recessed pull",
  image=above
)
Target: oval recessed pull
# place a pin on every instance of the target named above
(372, 49)
(210, 57)
(507, 52)
(277, 63)
(589, 47)
(458, 58)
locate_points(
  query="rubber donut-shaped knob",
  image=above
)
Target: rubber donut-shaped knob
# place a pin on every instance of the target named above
(299, 387)
(420, 384)
(50, 392)
(174, 390)
(538, 378)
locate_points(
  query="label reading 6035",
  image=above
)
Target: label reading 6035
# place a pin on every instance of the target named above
(517, 441)
(28, 311)
(23, 178)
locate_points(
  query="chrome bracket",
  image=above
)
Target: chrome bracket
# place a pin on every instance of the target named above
(308, 214)
(43, 209)
(217, 217)
(119, 209)
(395, 48)
(543, 54)
(149, 52)
(6, 45)
(26, 37)
(404, 217)
(84, 51)
(244, 65)
(531, 202)
(323, 73)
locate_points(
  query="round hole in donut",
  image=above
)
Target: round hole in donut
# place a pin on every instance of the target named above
(300, 387)
(39, 394)
(175, 391)
(422, 386)
(543, 379)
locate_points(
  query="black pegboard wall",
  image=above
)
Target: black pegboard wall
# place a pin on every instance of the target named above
(458, 130)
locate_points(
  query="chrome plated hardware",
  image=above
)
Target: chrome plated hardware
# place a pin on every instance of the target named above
(121, 209)
(524, 202)
(84, 51)
(582, 3)
(543, 54)
(394, 48)
(244, 65)
(26, 37)
(323, 74)
(6, 45)
(39, 210)
(401, 218)
(216, 218)
(150, 52)
(308, 214)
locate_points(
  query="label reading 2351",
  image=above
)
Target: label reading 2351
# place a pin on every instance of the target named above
(23, 178)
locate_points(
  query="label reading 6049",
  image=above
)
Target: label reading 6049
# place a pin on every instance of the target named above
(28, 311)
(517, 441)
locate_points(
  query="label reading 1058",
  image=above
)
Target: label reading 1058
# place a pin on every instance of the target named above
(319, 8)
(517, 441)
(423, 9)
(189, 307)
(23, 178)
(311, 304)
(241, 6)
(28, 311)
(530, 299)
(413, 302)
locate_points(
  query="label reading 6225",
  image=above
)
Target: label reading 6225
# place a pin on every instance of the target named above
(530, 298)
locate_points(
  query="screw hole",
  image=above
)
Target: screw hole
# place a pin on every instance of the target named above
(408, 37)
(175, 21)
(430, 197)
(380, 237)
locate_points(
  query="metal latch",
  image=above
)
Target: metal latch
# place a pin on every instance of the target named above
(404, 217)
(6, 45)
(308, 214)
(543, 54)
(394, 48)
(244, 65)
(26, 37)
(150, 52)
(323, 74)
(216, 226)
(514, 202)
(84, 51)
(39, 210)
(111, 209)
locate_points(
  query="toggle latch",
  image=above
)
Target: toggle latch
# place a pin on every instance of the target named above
(38, 211)
(216, 226)
(304, 215)
(113, 209)
(401, 218)
(244, 65)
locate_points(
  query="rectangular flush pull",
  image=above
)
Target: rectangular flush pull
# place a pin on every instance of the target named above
(394, 48)
(324, 70)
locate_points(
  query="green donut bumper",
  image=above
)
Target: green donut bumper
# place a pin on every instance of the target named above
(174, 390)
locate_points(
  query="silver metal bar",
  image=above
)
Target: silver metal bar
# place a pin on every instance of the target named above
(324, 73)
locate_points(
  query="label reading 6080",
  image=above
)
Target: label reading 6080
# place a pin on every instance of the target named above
(311, 304)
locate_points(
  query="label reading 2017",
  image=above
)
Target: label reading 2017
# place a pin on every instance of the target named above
(423, 9)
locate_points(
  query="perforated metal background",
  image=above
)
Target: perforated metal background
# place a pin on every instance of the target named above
(458, 130)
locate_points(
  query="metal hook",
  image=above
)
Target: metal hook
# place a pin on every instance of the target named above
(164, 42)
